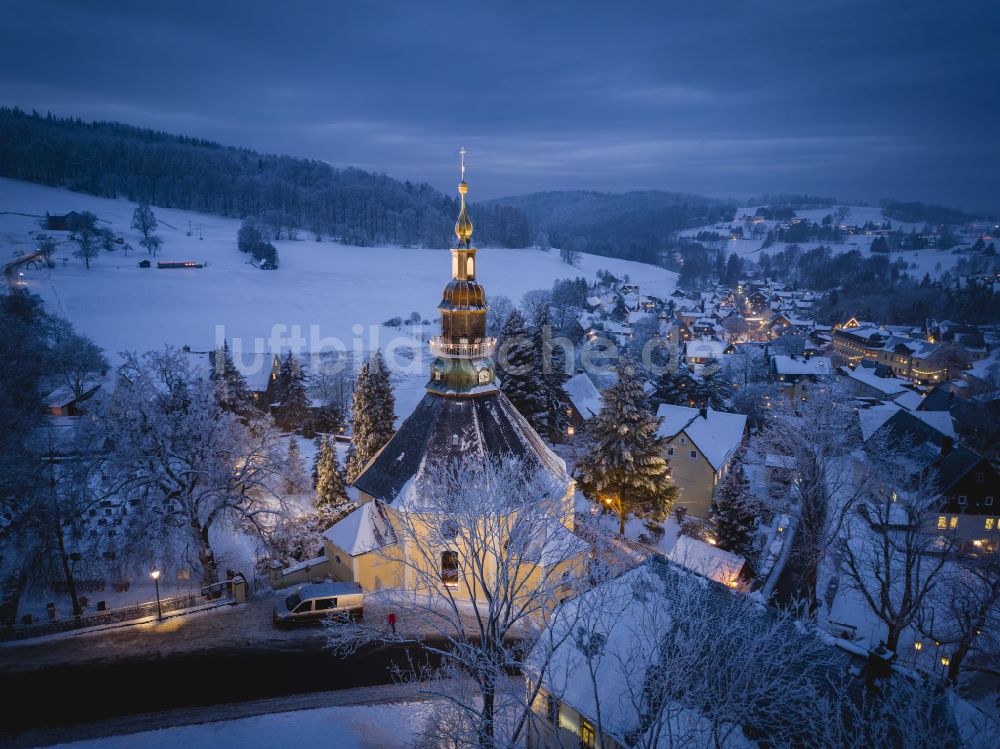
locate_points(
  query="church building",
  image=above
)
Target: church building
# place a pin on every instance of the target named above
(463, 414)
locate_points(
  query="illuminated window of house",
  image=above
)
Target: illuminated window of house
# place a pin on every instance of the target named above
(953, 522)
(449, 568)
(552, 709)
(587, 737)
(990, 523)
(942, 522)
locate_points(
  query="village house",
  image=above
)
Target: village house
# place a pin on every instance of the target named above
(797, 377)
(700, 445)
(584, 400)
(702, 351)
(969, 485)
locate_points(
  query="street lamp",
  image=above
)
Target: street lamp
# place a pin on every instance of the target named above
(155, 574)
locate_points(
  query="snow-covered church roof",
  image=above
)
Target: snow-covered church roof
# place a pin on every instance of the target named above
(442, 429)
(366, 529)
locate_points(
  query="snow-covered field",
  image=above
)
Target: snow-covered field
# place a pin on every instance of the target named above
(933, 262)
(326, 289)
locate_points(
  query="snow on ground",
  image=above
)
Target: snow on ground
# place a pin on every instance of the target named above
(933, 262)
(346, 727)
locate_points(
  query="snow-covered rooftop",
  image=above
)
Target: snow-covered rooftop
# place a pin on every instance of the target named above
(707, 560)
(717, 434)
(366, 529)
(586, 398)
(794, 365)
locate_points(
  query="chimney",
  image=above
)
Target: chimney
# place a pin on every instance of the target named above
(947, 444)
(703, 411)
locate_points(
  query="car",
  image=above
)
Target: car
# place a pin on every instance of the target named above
(314, 602)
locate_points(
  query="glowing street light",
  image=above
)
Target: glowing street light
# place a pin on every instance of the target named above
(155, 574)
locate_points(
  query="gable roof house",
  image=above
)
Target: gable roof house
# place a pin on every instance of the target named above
(584, 399)
(796, 376)
(968, 483)
(700, 446)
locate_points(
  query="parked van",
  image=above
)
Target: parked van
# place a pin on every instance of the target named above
(316, 601)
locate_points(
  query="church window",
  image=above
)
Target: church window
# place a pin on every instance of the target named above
(470, 268)
(449, 568)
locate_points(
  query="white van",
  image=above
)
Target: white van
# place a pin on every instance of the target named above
(317, 601)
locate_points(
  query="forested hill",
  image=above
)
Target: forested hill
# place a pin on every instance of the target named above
(633, 225)
(111, 159)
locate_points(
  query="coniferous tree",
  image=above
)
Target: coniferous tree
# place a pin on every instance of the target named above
(553, 420)
(521, 371)
(231, 387)
(626, 470)
(373, 414)
(735, 511)
(714, 391)
(331, 494)
(678, 388)
(293, 409)
(295, 470)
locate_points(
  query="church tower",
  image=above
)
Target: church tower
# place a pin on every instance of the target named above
(463, 364)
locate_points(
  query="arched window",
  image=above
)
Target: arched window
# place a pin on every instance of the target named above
(470, 267)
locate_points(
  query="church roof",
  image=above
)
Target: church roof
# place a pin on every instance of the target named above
(442, 429)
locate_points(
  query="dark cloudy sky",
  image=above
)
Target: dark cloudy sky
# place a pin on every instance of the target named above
(858, 99)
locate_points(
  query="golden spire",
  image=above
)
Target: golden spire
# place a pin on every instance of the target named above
(463, 227)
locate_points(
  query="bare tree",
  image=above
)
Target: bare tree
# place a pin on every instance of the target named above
(891, 557)
(964, 613)
(76, 359)
(192, 465)
(484, 557)
(814, 439)
(661, 658)
(500, 309)
(86, 237)
(144, 221)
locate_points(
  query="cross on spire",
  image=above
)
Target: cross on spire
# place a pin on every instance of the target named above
(462, 154)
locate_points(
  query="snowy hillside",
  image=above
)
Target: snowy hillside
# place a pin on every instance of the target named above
(920, 262)
(331, 286)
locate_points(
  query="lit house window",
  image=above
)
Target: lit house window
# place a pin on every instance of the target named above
(990, 523)
(449, 568)
(942, 522)
(587, 737)
(953, 522)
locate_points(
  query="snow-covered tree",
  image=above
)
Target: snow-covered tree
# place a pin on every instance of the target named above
(231, 387)
(520, 370)
(813, 439)
(500, 310)
(890, 556)
(192, 465)
(553, 420)
(373, 414)
(677, 388)
(963, 613)
(735, 511)
(502, 528)
(625, 469)
(331, 494)
(296, 480)
(673, 662)
(77, 361)
(144, 222)
(293, 408)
